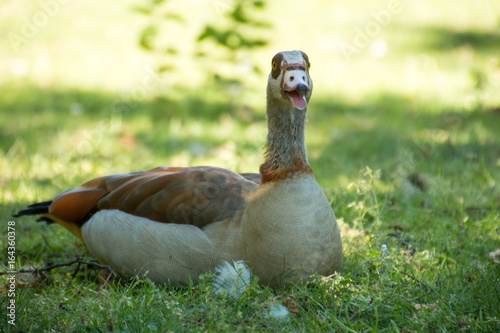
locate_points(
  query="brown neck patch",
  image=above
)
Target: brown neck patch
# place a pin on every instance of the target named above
(270, 173)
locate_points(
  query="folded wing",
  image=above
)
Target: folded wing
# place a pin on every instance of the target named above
(196, 196)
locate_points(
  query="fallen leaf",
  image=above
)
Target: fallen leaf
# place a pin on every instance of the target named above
(417, 264)
(470, 277)
(397, 227)
(434, 307)
(418, 180)
(464, 220)
(464, 326)
(290, 303)
(128, 141)
(79, 245)
(495, 255)
(411, 251)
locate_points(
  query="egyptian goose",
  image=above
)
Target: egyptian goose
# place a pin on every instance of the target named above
(174, 223)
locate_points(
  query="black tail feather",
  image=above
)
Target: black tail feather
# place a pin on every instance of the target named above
(44, 203)
(35, 209)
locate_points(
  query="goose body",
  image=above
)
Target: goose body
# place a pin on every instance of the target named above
(172, 224)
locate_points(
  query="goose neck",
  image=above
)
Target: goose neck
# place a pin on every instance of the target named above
(285, 155)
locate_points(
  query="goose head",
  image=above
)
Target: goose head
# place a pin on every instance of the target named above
(289, 84)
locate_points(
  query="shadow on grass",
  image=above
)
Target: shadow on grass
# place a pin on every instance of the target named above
(383, 130)
(35, 115)
(387, 132)
(375, 132)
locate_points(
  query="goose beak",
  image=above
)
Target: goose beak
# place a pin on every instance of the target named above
(297, 95)
(296, 87)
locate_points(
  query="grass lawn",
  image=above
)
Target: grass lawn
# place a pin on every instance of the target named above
(403, 136)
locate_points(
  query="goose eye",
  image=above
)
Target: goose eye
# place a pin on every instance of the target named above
(308, 65)
(274, 66)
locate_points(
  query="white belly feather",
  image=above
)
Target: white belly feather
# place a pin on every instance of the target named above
(134, 245)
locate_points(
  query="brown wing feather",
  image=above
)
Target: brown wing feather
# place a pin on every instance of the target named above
(197, 196)
(75, 205)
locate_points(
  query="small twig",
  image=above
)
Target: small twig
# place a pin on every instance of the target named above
(38, 270)
(31, 264)
(66, 264)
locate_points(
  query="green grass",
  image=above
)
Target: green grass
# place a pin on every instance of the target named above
(406, 147)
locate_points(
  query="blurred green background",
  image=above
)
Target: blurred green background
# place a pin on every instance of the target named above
(403, 136)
